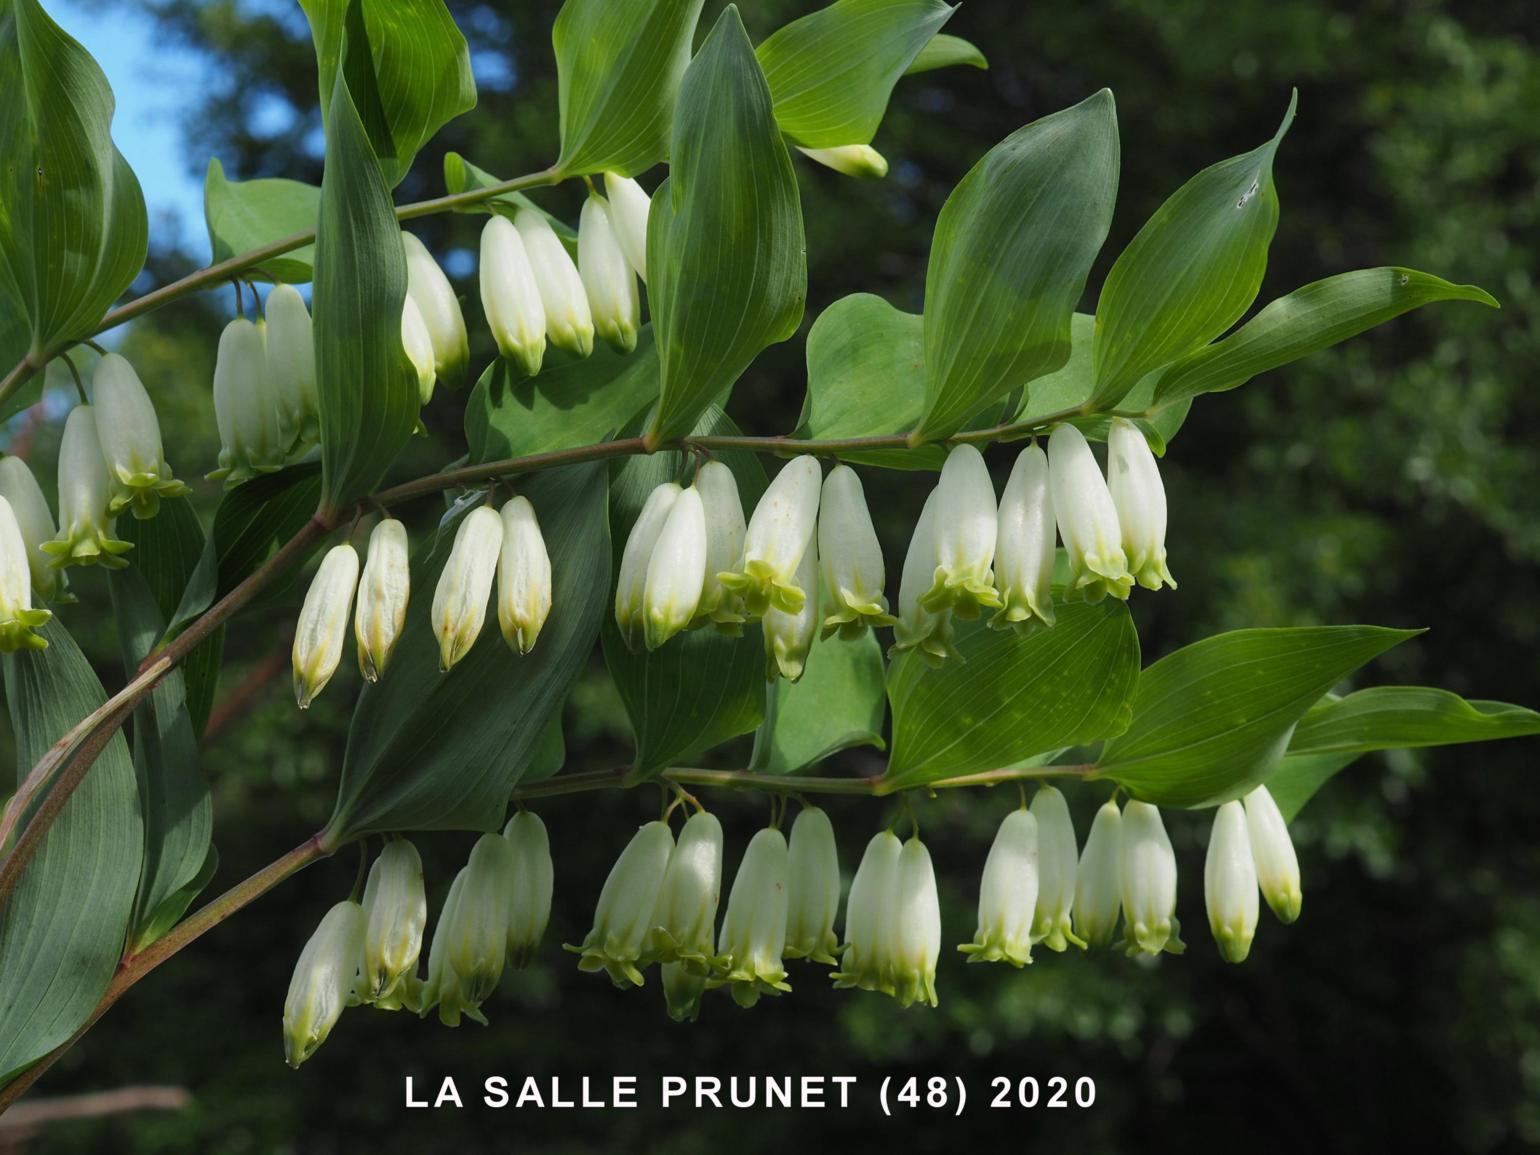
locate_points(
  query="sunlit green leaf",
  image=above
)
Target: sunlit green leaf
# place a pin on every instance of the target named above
(943, 51)
(245, 215)
(839, 702)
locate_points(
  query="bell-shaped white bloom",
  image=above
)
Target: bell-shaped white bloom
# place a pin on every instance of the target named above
(1273, 850)
(396, 913)
(629, 208)
(568, 323)
(1024, 542)
(35, 520)
(964, 534)
(607, 277)
(858, 160)
(685, 918)
(523, 577)
(1147, 868)
(917, 937)
(509, 296)
(383, 593)
(1058, 856)
(460, 600)
(322, 981)
(725, 529)
(534, 879)
(246, 409)
(1088, 520)
(782, 528)
(419, 349)
(682, 991)
(1230, 883)
(851, 557)
(1007, 894)
(1140, 499)
(290, 341)
(470, 942)
(871, 918)
(85, 527)
(635, 561)
(813, 888)
(754, 927)
(17, 617)
(130, 437)
(323, 622)
(623, 921)
(435, 298)
(928, 634)
(789, 637)
(1098, 882)
(676, 570)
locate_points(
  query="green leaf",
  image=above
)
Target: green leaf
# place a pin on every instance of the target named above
(1013, 247)
(434, 751)
(1299, 776)
(618, 67)
(257, 517)
(246, 215)
(1320, 314)
(1012, 696)
(73, 231)
(407, 67)
(839, 702)
(15, 339)
(1191, 272)
(1212, 719)
(831, 72)
(62, 929)
(945, 51)
(725, 248)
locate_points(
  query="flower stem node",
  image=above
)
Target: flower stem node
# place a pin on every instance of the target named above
(813, 888)
(1230, 883)
(396, 913)
(510, 298)
(18, 618)
(963, 538)
(383, 594)
(1133, 478)
(754, 927)
(323, 623)
(1057, 859)
(623, 921)
(130, 435)
(1273, 851)
(569, 324)
(1147, 869)
(851, 557)
(523, 577)
(684, 920)
(85, 526)
(534, 879)
(35, 521)
(782, 528)
(1024, 546)
(607, 276)
(460, 599)
(246, 407)
(323, 981)
(1087, 517)
(470, 942)
(1007, 894)
(1098, 885)
(429, 289)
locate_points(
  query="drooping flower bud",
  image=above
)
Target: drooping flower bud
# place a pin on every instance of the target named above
(1098, 883)
(754, 927)
(509, 296)
(130, 437)
(246, 406)
(685, 918)
(383, 594)
(85, 528)
(523, 577)
(676, 570)
(1147, 867)
(1140, 499)
(870, 918)
(682, 991)
(917, 939)
(460, 600)
(783, 527)
(623, 921)
(1088, 520)
(851, 557)
(435, 298)
(568, 323)
(607, 277)
(965, 527)
(813, 888)
(17, 617)
(1273, 851)
(1007, 894)
(858, 160)
(323, 622)
(1057, 859)
(928, 634)
(396, 913)
(470, 942)
(35, 519)
(718, 490)
(789, 637)
(322, 982)
(534, 878)
(290, 342)
(419, 349)
(631, 584)
(1230, 884)
(1024, 543)
(629, 209)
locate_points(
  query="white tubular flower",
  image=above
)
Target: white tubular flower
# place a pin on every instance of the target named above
(783, 527)
(1140, 499)
(322, 981)
(509, 296)
(861, 161)
(419, 349)
(1024, 550)
(917, 935)
(460, 600)
(85, 527)
(383, 594)
(534, 878)
(246, 406)
(965, 527)
(470, 942)
(631, 584)
(607, 277)
(725, 527)
(813, 888)
(396, 913)
(1057, 860)
(17, 617)
(1273, 851)
(851, 557)
(35, 520)
(623, 921)
(290, 342)
(435, 298)
(629, 208)
(1088, 520)
(568, 323)
(789, 637)
(1098, 883)
(523, 577)
(682, 990)
(754, 927)
(1007, 894)
(1230, 884)
(684, 922)
(130, 437)
(676, 570)
(1147, 867)
(870, 918)
(928, 634)
(323, 623)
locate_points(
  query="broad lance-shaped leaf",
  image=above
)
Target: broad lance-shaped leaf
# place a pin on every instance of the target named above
(1190, 272)
(73, 231)
(618, 68)
(839, 702)
(1212, 719)
(831, 72)
(725, 249)
(943, 51)
(1013, 247)
(1320, 314)
(246, 215)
